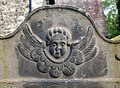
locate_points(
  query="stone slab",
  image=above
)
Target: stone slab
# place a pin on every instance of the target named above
(59, 47)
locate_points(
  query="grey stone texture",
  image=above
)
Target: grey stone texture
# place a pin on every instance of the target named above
(59, 47)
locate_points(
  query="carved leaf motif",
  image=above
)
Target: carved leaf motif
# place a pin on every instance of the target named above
(42, 68)
(34, 55)
(77, 57)
(72, 60)
(78, 61)
(55, 73)
(69, 70)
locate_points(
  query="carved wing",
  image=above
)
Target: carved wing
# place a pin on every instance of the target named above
(85, 51)
(87, 45)
(85, 48)
(29, 43)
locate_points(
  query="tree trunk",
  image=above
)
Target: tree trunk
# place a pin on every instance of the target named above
(118, 7)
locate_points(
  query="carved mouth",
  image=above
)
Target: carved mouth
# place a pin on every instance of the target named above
(57, 55)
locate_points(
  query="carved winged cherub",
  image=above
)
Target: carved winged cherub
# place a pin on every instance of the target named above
(58, 54)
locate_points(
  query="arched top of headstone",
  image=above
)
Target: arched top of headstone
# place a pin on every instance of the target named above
(59, 46)
(65, 16)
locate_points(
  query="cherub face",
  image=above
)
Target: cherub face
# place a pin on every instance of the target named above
(58, 46)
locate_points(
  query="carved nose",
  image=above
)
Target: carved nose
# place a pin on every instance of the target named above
(58, 48)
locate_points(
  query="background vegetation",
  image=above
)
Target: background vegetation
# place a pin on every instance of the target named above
(112, 13)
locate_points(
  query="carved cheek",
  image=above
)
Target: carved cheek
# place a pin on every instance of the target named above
(59, 47)
(64, 50)
(52, 50)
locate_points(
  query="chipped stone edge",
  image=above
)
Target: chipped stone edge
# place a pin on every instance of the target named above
(86, 14)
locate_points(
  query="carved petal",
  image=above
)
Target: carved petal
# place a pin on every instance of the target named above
(34, 55)
(78, 61)
(69, 70)
(78, 58)
(61, 67)
(42, 68)
(72, 59)
(55, 73)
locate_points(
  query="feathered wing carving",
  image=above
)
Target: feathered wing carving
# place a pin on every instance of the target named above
(89, 49)
(29, 42)
(87, 52)
(32, 48)
(85, 48)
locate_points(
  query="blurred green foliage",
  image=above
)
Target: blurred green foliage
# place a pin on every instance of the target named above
(112, 17)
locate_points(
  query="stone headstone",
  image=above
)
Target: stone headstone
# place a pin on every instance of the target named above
(58, 47)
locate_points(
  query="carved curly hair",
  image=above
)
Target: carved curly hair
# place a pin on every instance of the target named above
(56, 31)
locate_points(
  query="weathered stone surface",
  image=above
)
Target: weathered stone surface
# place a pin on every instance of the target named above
(59, 47)
(12, 14)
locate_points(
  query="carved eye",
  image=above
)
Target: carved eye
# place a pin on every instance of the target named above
(54, 45)
(62, 43)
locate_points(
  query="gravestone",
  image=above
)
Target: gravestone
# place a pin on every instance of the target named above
(59, 47)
